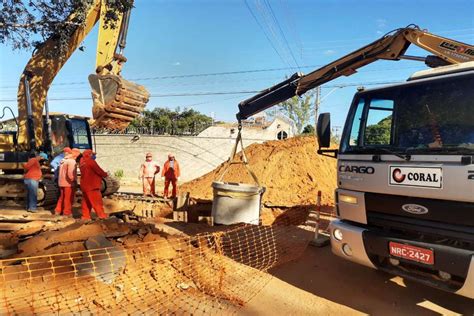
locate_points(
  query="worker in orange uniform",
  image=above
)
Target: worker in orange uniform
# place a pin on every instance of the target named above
(67, 178)
(91, 180)
(171, 173)
(32, 177)
(148, 170)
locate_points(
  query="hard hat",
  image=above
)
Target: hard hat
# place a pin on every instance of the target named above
(67, 150)
(149, 155)
(75, 152)
(43, 156)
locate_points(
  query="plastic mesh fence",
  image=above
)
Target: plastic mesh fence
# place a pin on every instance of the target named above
(207, 273)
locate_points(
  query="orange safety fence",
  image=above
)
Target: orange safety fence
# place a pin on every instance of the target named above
(210, 273)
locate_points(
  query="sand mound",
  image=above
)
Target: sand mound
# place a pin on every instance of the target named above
(291, 170)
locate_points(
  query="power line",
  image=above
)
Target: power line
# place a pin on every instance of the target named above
(261, 27)
(281, 32)
(194, 94)
(210, 74)
(222, 73)
(291, 24)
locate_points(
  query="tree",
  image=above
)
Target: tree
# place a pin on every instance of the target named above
(299, 109)
(27, 24)
(309, 129)
(379, 134)
(174, 122)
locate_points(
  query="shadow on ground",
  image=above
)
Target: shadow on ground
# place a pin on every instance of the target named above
(366, 290)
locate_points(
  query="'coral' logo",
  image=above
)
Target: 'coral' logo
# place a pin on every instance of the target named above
(398, 176)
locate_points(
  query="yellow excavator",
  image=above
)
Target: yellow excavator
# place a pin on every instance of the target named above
(391, 46)
(116, 102)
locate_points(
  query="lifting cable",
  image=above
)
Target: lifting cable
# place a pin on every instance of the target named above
(243, 160)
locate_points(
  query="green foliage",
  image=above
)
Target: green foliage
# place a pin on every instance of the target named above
(379, 134)
(27, 24)
(309, 129)
(174, 122)
(118, 173)
(299, 109)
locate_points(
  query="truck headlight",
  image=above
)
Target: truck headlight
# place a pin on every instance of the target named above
(347, 199)
(337, 233)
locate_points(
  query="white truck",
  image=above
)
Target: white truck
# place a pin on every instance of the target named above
(405, 196)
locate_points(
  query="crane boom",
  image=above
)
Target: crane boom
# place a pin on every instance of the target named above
(391, 46)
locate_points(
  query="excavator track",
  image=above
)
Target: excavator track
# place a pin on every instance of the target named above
(13, 191)
(137, 204)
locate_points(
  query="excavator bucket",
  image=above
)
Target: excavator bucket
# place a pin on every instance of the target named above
(116, 101)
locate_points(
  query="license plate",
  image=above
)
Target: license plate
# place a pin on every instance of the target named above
(411, 253)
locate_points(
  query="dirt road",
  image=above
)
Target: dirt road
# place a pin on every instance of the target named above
(324, 284)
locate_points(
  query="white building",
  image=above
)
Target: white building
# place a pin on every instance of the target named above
(255, 128)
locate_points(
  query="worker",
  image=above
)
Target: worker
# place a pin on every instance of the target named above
(32, 177)
(57, 161)
(148, 170)
(91, 180)
(67, 178)
(171, 174)
(77, 157)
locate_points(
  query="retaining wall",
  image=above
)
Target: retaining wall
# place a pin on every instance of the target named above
(196, 155)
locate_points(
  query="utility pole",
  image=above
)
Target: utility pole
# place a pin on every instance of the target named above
(317, 102)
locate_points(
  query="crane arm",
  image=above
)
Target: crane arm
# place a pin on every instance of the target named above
(43, 67)
(390, 47)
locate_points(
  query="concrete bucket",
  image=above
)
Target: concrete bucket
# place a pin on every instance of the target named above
(236, 203)
(116, 101)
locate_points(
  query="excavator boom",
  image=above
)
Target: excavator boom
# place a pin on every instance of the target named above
(114, 111)
(390, 47)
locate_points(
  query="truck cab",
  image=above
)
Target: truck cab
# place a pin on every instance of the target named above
(405, 196)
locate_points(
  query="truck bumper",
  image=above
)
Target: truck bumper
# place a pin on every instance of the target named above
(351, 242)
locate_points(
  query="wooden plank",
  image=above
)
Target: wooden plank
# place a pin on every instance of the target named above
(24, 216)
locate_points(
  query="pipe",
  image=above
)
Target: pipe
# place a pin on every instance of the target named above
(29, 112)
(48, 143)
(124, 31)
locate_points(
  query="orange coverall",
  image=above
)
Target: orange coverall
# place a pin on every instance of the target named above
(66, 181)
(171, 176)
(91, 180)
(148, 169)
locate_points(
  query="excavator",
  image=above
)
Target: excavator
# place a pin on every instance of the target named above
(116, 102)
(405, 162)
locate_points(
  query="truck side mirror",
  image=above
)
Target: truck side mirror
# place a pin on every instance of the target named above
(323, 130)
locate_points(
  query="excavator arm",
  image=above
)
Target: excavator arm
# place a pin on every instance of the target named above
(392, 46)
(125, 97)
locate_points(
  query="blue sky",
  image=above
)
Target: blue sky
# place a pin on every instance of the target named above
(176, 38)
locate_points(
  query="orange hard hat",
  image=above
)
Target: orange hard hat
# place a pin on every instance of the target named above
(67, 150)
(75, 152)
(88, 153)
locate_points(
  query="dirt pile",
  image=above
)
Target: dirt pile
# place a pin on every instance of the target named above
(291, 171)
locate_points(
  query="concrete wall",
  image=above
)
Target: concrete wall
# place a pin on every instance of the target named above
(196, 155)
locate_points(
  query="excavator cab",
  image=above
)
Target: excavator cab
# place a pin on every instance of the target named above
(68, 131)
(116, 101)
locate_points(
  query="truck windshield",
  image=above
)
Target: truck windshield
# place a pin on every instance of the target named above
(426, 117)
